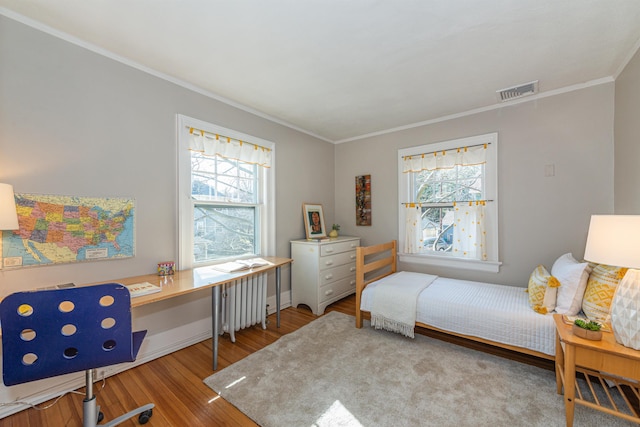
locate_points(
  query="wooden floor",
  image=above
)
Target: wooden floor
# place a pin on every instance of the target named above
(174, 382)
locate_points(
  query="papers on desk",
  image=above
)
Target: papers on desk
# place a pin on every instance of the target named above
(240, 265)
(140, 289)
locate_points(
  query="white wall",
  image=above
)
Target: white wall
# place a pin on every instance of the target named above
(627, 137)
(73, 122)
(540, 218)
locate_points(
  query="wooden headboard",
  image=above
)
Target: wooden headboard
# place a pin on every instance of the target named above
(379, 266)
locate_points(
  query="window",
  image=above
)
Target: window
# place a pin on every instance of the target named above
(225, 193)
(448, 211)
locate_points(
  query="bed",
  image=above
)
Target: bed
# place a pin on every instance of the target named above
(493, 314)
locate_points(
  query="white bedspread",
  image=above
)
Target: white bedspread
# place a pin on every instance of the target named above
(396, 311)
(494, 312)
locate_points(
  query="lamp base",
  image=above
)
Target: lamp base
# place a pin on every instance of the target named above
(625, 310)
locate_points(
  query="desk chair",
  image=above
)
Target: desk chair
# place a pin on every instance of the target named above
(55, 332)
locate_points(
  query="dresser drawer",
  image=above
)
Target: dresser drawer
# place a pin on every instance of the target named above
(336, 248)
(337, 259)
(331, 290)
(337, 273)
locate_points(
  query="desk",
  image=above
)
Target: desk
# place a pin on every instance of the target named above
(593, 358)
(187, 281)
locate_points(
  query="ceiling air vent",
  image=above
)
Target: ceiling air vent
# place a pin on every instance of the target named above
(517, 91)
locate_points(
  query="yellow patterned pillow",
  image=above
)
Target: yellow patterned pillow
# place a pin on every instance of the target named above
(543, 288)
(596, 302)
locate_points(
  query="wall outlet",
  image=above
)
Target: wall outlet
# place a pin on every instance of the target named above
(549, 170)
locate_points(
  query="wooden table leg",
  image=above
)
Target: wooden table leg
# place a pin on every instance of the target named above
(569, 382)
(559, 363)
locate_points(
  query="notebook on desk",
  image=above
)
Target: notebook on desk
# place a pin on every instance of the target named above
(240, 265)
(140, 289)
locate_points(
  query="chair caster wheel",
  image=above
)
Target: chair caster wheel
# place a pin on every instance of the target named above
(143, 418)
(100, 416)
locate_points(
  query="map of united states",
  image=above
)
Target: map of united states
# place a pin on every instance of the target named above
(62, 229)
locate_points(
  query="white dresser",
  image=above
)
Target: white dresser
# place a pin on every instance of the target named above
(323, 272)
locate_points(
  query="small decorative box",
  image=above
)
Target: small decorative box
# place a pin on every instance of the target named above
(166, 268)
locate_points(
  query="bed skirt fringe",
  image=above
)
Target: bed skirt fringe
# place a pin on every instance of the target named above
(381, 322)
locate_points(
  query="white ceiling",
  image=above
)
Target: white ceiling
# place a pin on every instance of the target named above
(341, 69)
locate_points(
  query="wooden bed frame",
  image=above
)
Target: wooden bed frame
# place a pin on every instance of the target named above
(380, 265)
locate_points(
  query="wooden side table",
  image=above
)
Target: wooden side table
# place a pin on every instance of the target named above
(598, 361)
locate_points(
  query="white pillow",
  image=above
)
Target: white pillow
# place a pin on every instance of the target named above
(573, 277)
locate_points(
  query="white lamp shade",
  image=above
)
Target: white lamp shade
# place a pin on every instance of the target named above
(614, 240)
(8, 214)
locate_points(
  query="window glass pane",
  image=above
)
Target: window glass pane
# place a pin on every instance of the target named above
(225, 180)
(461, 183)
(437, 229)
(223, 231)
(469, 189)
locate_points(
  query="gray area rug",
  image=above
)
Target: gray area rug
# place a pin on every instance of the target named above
(328, 373)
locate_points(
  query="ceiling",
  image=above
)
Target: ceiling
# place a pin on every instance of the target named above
(339, 69)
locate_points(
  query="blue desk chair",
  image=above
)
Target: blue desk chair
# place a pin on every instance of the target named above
(56, 332)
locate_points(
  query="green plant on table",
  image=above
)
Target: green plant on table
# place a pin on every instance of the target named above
(335, 227)
(590, 325)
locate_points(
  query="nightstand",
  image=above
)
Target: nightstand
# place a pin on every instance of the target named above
(598, 361)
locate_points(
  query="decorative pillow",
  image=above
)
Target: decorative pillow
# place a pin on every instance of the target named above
(573, 277)
(542, 290)
(598, 295)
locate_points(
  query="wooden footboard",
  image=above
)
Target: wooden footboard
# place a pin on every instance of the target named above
(382, 262)
(375, 262)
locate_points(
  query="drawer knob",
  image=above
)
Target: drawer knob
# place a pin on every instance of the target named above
(329, 250)
(329, 292)
(328, 276)
(352, 269)
(329, 262)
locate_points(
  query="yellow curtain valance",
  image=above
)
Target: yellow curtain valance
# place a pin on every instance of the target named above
(211, 144)
(447, 159)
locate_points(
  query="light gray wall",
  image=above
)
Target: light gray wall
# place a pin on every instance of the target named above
(540, 218)
(73, 122)
(627, 139)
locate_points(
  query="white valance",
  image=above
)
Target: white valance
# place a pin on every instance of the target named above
(230, 148)
(462, 156)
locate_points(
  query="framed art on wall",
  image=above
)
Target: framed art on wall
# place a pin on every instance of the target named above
(314, 221)
(363, 200)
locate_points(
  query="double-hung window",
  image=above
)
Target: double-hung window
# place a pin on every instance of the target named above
(226, 193)
(448, 203)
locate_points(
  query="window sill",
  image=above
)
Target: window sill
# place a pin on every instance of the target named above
(449, 261)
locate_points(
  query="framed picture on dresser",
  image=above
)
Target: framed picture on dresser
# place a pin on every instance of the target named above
(314, 221)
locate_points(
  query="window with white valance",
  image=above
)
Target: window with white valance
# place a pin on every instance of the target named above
(214, 144)
(448, 212)
(446, 159)
(226, 194)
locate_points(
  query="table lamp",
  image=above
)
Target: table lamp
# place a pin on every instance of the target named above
(8, 214)
(615, 240)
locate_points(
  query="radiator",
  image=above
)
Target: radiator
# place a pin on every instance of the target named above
(244, 304)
